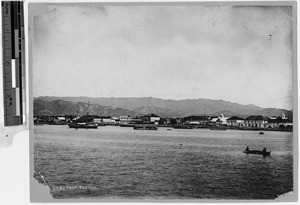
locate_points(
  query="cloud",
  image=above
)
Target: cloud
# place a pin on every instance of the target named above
(241, 54)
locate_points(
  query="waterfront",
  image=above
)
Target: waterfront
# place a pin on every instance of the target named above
(119, 162)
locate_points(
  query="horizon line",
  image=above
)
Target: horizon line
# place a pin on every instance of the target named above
(166, 99)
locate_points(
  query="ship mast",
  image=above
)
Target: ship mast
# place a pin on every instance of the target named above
(88, 108)
(77, 109)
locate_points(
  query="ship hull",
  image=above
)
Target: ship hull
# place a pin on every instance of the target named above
(83, 126)
(145, 127)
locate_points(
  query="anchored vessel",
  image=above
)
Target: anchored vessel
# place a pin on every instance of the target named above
(83, 126)
(126, 125)
(145, 127)
(183, 127)
(86, 125)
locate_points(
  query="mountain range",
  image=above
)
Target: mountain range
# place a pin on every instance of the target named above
(144, 105)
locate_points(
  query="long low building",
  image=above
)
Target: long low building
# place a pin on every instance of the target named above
(279, 122)
(256, 121)
(235, 121)
(259, 121)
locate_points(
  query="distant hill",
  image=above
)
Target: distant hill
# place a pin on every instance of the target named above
(162, 112)
(226, 113)
(270, 112)
(165, 108)
(61, 107)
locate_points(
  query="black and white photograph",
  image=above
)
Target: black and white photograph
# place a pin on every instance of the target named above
(163, 101)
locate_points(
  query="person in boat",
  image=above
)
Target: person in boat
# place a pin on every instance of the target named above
(264, 150)
(247, 149)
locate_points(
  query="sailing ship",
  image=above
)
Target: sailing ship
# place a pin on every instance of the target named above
(83, 125)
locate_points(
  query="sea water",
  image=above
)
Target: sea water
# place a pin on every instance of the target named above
(122, 163)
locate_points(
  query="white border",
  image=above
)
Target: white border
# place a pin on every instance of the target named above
(14, 168)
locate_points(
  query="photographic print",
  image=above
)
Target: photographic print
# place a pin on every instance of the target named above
(163, 101)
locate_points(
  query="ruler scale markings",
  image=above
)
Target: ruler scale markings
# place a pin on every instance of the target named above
(11, 31)
(16, 120)
(17, 73)
(19, 111)
(16, 29)
(17, 102)
(19, 19)
(20, 63)
(21, 79)
(14, 102)
(13, 62)
(15, 14)
(16, 43)
(23, 99)
(14, 68)
(23, 107)
(13, 73)
(22, 20)
(14, 33)
(18, 48)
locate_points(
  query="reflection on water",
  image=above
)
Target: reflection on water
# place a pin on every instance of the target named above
(119, 162)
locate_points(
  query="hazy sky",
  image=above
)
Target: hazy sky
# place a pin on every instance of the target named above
(239, 54)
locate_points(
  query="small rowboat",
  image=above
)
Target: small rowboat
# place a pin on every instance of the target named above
(257, 152)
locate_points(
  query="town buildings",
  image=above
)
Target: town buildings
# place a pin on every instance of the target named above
(125, 119)
(256, 121)
(220, 120)
(235, 121)
(251, 122)
(197, 120)
(150, 118)
(280, 122)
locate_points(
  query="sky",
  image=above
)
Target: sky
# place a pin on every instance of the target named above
(241, 54)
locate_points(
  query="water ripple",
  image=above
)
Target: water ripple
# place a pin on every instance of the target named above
(113, 162)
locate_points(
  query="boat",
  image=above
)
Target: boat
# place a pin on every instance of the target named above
(218, 128)
(145, 127)
(183, 127)
(55, 123)
(126, 125)
(83, 126)
(257, 152)
(202, 127)
(261, 133)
